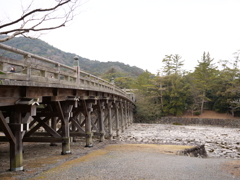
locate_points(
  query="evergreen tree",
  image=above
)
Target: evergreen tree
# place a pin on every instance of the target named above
(204, 75)
(172, 64)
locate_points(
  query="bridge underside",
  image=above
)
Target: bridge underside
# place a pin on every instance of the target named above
(58, 115)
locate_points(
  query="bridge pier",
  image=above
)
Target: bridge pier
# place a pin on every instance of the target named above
(87, 106)
(100, 110)
(122, 117)
(128, 113)
(16, 149)
(116, 107)
(54, 127)
(110, 128)
(66, 112)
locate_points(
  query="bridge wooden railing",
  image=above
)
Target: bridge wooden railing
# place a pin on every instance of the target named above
(39, 71)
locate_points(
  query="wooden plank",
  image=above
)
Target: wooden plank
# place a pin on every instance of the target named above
(5, 128)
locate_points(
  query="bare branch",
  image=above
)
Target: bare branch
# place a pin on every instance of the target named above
(32, 12)
(10, 37)
(39, 19)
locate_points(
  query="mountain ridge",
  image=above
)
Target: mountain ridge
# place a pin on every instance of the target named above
(42, 48)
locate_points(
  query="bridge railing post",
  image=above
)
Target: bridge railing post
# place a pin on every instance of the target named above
(77, 75)
(57, 73)
(4, 67)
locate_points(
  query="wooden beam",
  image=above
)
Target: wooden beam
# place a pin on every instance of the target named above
(48, 128)
(28, 134)
(8, 101)
(77, 125)
(58, 98)
(84, 105)
(60, 112)
(5, 128)
(94, 126)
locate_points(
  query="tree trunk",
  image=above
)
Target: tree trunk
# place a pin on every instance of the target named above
(202, 104)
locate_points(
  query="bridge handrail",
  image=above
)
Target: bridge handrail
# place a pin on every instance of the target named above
(52, 72)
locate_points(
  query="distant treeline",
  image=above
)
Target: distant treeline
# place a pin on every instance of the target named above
(174, 91)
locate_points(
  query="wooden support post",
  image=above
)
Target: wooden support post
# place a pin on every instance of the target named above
(87, 106)
(6, 129)
(76, 122)
(128, 115)
(125, 115)
(131, 113)
(80, 118)
(66, 109)
(122, 117)
(16, 149)
(101, 107)
(109, 106)
(116, 106)
(73, 130)
(54, 126)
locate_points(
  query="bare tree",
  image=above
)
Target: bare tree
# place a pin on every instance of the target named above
(37, 17)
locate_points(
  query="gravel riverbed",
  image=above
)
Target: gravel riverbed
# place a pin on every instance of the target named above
(218, 141)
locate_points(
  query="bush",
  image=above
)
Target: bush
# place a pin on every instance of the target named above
(197, 113)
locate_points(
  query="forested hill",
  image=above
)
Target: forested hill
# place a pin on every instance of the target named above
(41, 48)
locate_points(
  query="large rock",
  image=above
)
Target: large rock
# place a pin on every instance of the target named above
(197, 151)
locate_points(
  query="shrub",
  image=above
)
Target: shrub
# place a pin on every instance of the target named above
(197, 113)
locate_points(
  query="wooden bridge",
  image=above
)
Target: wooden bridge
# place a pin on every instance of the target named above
(45, 101)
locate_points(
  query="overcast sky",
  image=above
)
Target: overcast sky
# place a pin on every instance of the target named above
(141, 32)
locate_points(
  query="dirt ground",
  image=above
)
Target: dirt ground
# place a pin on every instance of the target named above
(211, 114)
(39, 157)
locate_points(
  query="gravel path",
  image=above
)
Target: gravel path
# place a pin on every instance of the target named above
(138, 163)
